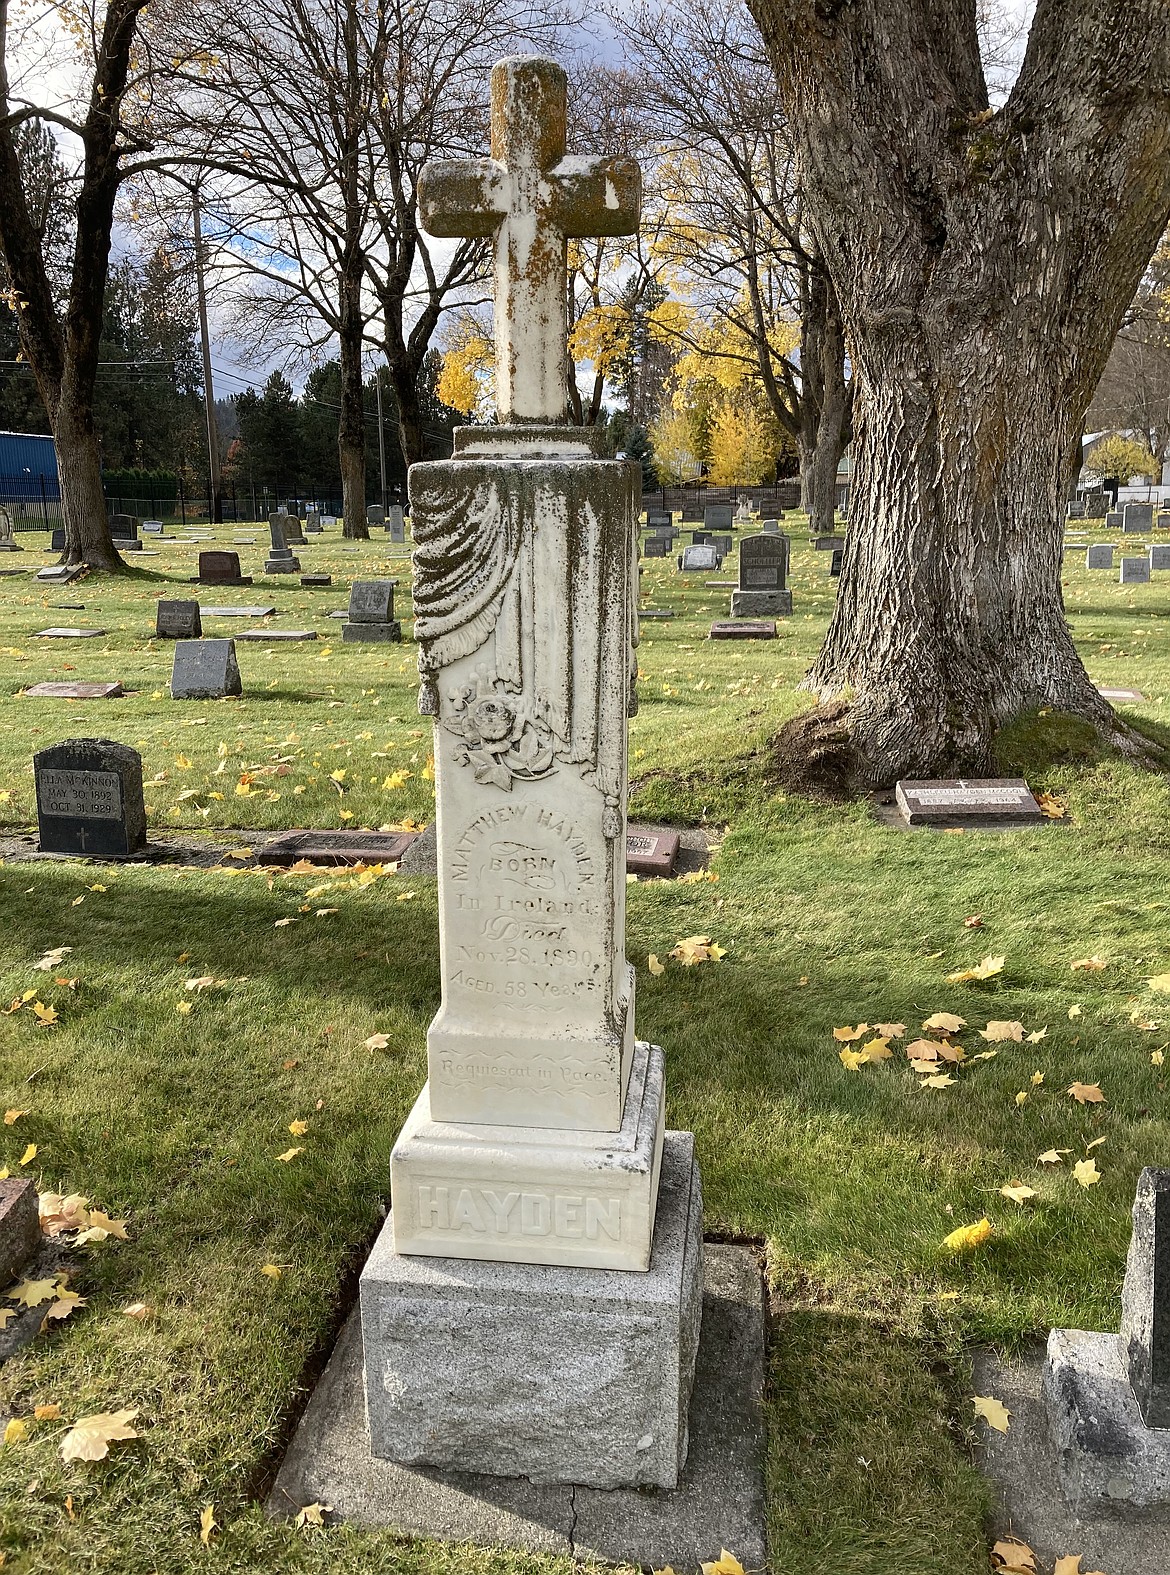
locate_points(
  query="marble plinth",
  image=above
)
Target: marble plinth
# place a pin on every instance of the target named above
(555, 1374)
(533, 1194)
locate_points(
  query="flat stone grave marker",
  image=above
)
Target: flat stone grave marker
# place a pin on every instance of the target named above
(827, 543)
(942, 802)
(68, 634)
(309, 581)
(1099, 557)
(771, 527)
(5, 573)
(1135, 571)
(1121, 694)
(699, 558)
(650, 852)
(60, 573)
(205, 670)
(89, 798)
(152, 527)
(177, 620)
(1076, 509)
(67, 606)
(744, 629)
(763, 578)
(336, 847)
(719, 585)
(1160, 556)
(20, 1225)
(656, 612)
(1137, 517)
(221, 568)
(276, 636)
(656, 547)
(74, 691)
(237, 612)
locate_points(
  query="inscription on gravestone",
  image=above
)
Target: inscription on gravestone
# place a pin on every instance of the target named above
(763, 578)
(221, 568)
(177, 620)
(942, 802)
(89, 798)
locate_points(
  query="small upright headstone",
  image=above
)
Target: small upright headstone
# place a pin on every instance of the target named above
(1076, 509)
(718, 516)
(1160, 556)
(700, 538)
(124, 532)
(1099, 557)
(395, 523)
(280, 558)
(1137, 517)
(289, 528)
(835, 563)
(8, 542)
(827, 543)
(1162, 521)
(763, 578)
(313, 523)
(1135, 571)
(1113, 519)
(57, 539)
(20, 1225)
(312, 580)
(371, 613)
(699, 558)
(152, 527)
(375, 514)
(89, 797)
(658, 517)
(722, 544)
(177, 620)
(771, 527)
(221, 568)
(656, 547)
(744, 629)
(205, 670)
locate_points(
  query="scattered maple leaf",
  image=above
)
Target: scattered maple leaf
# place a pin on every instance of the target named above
(29, 1154)
(996, 1032)
(1052, 1156)
(280, 923)
(1088, 965)
(1086, 1172)
(377, 1042)
(289, 1154)
(100, 1226)
(993, 1411)
(1160, 982)
(1096, 1143)
(1037, 1079)
(1022, 1097)
(923, 1050)
(298, 1128)
(16, 1432)
(272, 1270)
(11, 1117)
(1070, 1564)
(967, 1237)
(91, 1437)
(952, 1053)
(986, 969)
(1051, 807)
(945, 1022)
(1037, 1034)
(1073, 1012)
(1087, 1094)
(65, 1303)
(694, 949)
(137, 1310)
(1017, 1191)
(654, 965)
(725, 1564)
(59, 1213)
(851, 1060)
(1157, 1057)
(46, 1015)
(1013, 1557)
(207, 1524)
(312, 1515)
(848, 1035)
(890, 1030)
(876, 1050)
(47, 1413)
(975, 922)
(939, 1080)
(183, 1008)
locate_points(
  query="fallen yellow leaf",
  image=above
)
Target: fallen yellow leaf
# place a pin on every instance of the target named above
(847, 1035)
(1160, 982)
(272, 1270)
(1088, 965)
(377, 1042)
(312, 1515)
(851, 1060)
(993, 1411)
(91, 1437)
(890, 1030)
(298, 1128)
(986, 969)
(47, 1413)
(29, 1154)
(996, 1032)
(1087, 1094)
(725, 1564)
(1052, 1156)
(967, 1237)
(1086, 1172)
(16, 1432)
(289, 1154)
(1017, 1191)
(1012, 1555)
(11, 1117)
(207, 1524)
(1074, 1011)
(945, 1022)
(939, 1080)
(654, 965)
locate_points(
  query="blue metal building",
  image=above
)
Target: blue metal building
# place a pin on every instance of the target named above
(28, 467)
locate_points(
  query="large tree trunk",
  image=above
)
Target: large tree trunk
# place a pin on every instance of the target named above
(83, 502)
(404, 380)
(351, 429)
(982, 261)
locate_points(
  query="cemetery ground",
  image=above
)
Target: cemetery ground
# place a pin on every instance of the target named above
(222, 1057)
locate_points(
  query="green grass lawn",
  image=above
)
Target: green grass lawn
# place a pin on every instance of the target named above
(174, 1120)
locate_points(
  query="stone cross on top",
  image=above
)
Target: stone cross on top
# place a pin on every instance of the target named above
(531, 197)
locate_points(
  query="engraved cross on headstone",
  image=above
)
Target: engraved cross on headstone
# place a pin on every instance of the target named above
(532, 198)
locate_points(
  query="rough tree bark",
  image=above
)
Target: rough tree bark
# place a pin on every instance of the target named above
(63, 353)
(983, 260)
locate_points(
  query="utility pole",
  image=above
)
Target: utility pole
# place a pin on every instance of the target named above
(381, 432)
(215, 503)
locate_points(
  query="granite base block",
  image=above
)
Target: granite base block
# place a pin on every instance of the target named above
(1106, 1455)
(556, 1374)
(761, 604)
(719, 1502)
(372, 633)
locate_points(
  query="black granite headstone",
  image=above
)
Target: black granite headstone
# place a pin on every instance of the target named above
(177, 620)
(89, 797)
(656, 547)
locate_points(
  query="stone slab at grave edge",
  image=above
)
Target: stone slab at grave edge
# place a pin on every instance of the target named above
(277, 636)
(80, 691)
(89, 798)
(61, 573)
(69, 634)
(744, 629)
(992, 800)
(20, 1226)
(310, 581)
(237, 612)
(336, 847)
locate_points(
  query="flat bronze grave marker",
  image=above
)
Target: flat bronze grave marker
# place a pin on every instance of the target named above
(650, 852)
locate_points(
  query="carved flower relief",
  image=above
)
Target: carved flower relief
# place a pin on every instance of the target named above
(504, 741)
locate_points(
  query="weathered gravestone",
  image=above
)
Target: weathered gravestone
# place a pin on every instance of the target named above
(371, 613)
(1099, 557)
(1006, 800)
(700, 538)
(1138, 517)
(695, 558)
(89, 798)
(658, 517)
(290, 524)
(1162, 521)
(205, 670)
(124, 532)
(1096, 506)
(57, 539)
(1076, 509)
(1134, 571)
(237, 612)
(312, 523)
(280, 558)
(276, 636)
(396, 524)
(656, 547)
(827, 543)
(60, 573)
(152, 527)
(763, 578)
(221, 568)
(68, 691)
(835, 563)
(1107, 1396)
(8, 542)
(1132, 695)
(514, 1319)
(744, 629)
(375, 514)
(69, 634)
(651, 852)
(771, 527)
(177, 620)
(20, 1225)
(718, 516)
(1160, 556)
(1113, 519)
(722, 544)
(313, 581)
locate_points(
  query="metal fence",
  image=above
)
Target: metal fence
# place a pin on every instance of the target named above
(33, 502)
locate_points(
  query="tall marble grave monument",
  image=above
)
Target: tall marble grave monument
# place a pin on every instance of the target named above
(532, 1306)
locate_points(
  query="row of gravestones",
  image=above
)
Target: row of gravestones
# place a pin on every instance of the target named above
(1135, 518)
(370, 616)
(1134, 570)
(392, 518)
